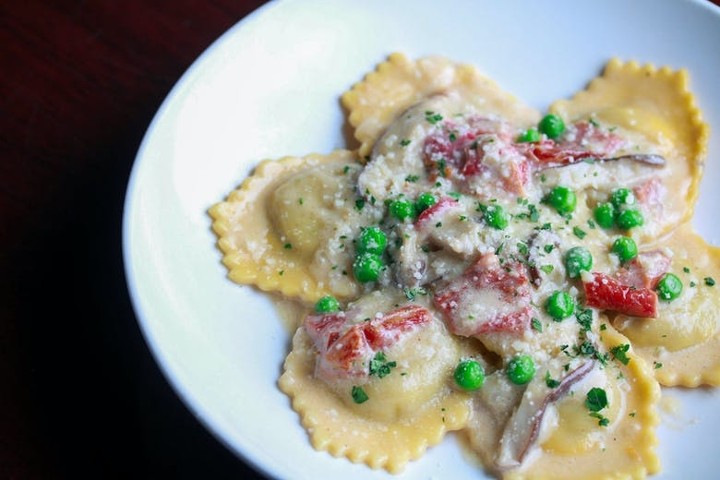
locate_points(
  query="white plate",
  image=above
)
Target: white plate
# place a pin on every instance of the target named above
(271, 87)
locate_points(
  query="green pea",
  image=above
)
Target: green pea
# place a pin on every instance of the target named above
(560, 305)
(530, 135)
(604, 215)
(425, 201)
(625, 248)
(371, 240)
(520, 369)
(366, 267)
(469, 375)
(578, 259)
(629, 218)
(669, 287)
(562, 199)
(327, 304)
(622, 196)
(402, 209)
(496, 217)
(552, 125)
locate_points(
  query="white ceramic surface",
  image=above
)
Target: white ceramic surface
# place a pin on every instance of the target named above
(270, 87)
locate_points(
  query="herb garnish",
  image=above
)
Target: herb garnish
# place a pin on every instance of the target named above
(596, 399)
(433, 117)
(585, 318)
(536, 325)
(412, 178)
(380, 366)
(358, 394)
(551, 382)
(620, 353)
(579, 232)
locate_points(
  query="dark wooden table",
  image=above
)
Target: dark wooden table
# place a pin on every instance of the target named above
(80, 394)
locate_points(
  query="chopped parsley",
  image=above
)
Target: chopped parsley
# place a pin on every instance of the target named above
(534, 214)
(412, 178)
(585, 318)
(346, 169)
(359, 204)
(657, 365)
(358, 395)
(587, 349)
(596, 399)
(686, 270)
(404, 142)
(548, 269)
(709, 281)
(522, 248)
(411, 293)
(548, 248)
(551, 382)
(579, 232)
(620, 353)
(300, 201)
(536, 325)
(602, 420)
(287, 246)
(442, 165)
(380, 366)
(433, 117)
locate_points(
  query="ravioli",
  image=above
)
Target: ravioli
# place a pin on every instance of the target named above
(683, 341)
(270, 228)
(657, 105)
(406, 410)
(573, 446)
(400, 83)
(478, 266)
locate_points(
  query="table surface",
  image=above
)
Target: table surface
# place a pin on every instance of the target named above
(81, 393)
